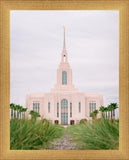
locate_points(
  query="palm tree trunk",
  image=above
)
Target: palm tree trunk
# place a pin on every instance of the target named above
(113, 115)
(17, 114)
(11, 113)
(14, 114)
(102, 115)
(108, 115)
(24, 115)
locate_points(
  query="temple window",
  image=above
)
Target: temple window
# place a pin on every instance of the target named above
(36, 107)
(48, 107)
(79, 107)
(64, 78)
(92, 107)
(57, 109)
(70, 109)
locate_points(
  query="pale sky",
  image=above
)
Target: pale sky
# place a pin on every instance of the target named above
(92, 43)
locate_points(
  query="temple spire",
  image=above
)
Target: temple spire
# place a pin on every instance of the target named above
(64, 37)
(64, 57)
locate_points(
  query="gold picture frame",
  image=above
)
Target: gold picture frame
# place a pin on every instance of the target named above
(6, 6)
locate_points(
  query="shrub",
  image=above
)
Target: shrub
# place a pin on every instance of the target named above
(117, 121)
(32, 134)
(98, 135)
(82, 121)
(34, 114)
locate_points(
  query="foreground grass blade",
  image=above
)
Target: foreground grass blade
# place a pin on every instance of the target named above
(98, 135)
(33, 135)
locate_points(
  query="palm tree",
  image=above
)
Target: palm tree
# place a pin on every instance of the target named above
(109, 111)
(111, 108)
(106, 110)
(12, 105)
(114, 106)
(14, 108)
(20, 110)
(34, 114)
(17, 108)
(95, 113)
(102, 110)
(92, 115)
(23, 111)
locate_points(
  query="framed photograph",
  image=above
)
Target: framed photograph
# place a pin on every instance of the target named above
(64, 72)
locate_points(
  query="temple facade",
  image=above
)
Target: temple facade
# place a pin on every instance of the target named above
(64, 104)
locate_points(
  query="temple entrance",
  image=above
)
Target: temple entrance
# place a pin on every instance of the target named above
(64, 112)
(72, 122)
(56, 122)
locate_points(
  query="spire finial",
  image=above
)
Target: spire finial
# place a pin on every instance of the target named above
(64, 36)
(64, 28)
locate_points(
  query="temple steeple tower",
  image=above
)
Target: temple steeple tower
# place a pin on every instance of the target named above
(64, 73)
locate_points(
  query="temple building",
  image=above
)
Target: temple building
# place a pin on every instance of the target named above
(64, 104)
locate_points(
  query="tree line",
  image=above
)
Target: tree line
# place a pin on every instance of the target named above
(20, 112)
(110, 109)
(107, 112)
(17, 110)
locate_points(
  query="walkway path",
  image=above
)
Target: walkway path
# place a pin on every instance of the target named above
(65, 143)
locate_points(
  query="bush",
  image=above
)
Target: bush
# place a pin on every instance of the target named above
(82, 121)
(32, 134)
(98, 135)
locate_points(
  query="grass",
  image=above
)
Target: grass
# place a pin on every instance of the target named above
(33, 135)
(101, 134)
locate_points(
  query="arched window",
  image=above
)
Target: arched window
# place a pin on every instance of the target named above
(64, 78)
(64, 112)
